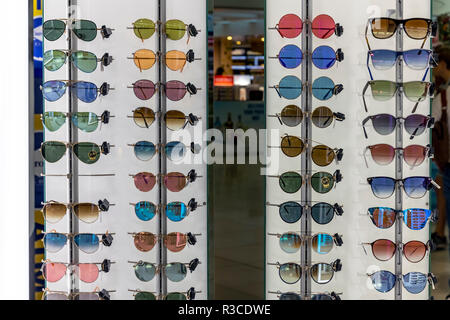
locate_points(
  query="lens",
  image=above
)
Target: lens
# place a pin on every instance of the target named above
(144, 59)
(144, 29)
(145, 271)
(175, 181)
(322, 182)
(416, 124)
(175, 151)
(290, 26)
(291, 212)
(145, 210)
(144, 181)
(381, 217)
(175, 296)
(384, 124)
(291, 115)
(322, 273)
(322, 297)
(290, 273)
(54, 59)
(415, 282)
(414, 251)
(417, 59)
(175, 60)
(85, 91)
(322, 243)
(87, 242)
(86, 212)
(383, 281)
(383, 59)
(85, 121)
(382, 187)
(175, 29)
(175, 272)
(383, 28)
(145, 241)
(416, 219)
(290, 242)
(53, 29)
(53, 242)
(383, 249)
(176, 211)
(175, 120)
(322, 117)
(416, 28)
(292, 146)
(290, 182)
(85, 61)
(324, 57)
(383, 90)
(84, 29)
(53, 272)
(416, 91)
(290, 56)
(323, 26)
(416, 187)
(323, 88)
(87, 152)
(53, 90)
(55, 296)
(53, 120)
(144, 150)
(414, 155)
(87, 296)
(290, 87)
(53, 151)
(322, 155)
(54, 212)
(144, 89)
(382, 154)
(175, 241)
(87, 272)
(175, 90)
(143, 117)
(290, 296)
(322, 213)
(144, 296)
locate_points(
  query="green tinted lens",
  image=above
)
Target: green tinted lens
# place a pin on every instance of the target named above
(85, 61)
(175, 29)
(53, 29)
(144, 28)
(416, 91)
(87, 152)
(322, 182)
(54, 59)
(383, 90)
(86, 121)
(52, 151)
(53, 120)
(144, 296)
(85, 30)
(176, 272)
(175, 296)
(290, 182)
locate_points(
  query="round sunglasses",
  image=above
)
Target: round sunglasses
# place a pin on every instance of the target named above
(87, 212)
(86, 242)
(414, 187)
(383, 154)
(85, 30)
(175, 120)
(97, 294)
(84, 60)
(323, 57)
(385, 124)
(175, 90)
(173, 181)
(174, 29)
(322, 212)
(315, 296)
(291, 87)
(175, 271)
(147, 295)
(384, 249)
(85, 91)
(86, 272)
(175, 211)
(323, 26)
(321, 117)
(85, 121)
(174, 241)
(175, 60)
(414, 282)
(322, 243)
(86, 152)
(174, 150)
(414, 219)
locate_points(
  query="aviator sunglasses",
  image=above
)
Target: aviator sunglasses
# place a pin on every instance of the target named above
(414, 219)
(315, 296)
(321, 117)
(322, 243)
(174, 241)
(85, 91)
(323, 26)
(85, 121)
(175, 60)
(175, 271)
(54, 211)
(174, 29)
(86, 152)
(414, 282)
(86, 242)
(321, 182)
(414, 187)
(323, 57)
(175, 211)
(175, 90)
(83, 60)
(174, 150)
(86, 272)
(85, 30)
(321, 212)
(97, 294)
(173, 181)
(291, 87)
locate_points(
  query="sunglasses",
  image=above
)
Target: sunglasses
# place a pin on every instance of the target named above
(86, 242)
(86, 272)
(85, 30)
(173, 181)
(85, 121)
(87, 212)
(175, 60)
(291, 87)
(87, 152)
(385, 124)
(384, 249)
(316, 296)
(321, 273)
(175, 271)
(383, 154)
(323, 57)
(175, 90)
(175, 211)
(414, 282)
(321, 212)
(174, 29)
(174, 241)
(322, 243)
(61, 295)
(147, 295)
(85, 91)
(83, 60)
(174, 150)
(414, 187)
(414, 219)
(175, 120)
(322, 117)
(323, 26)
(383, 90)
(321, 182)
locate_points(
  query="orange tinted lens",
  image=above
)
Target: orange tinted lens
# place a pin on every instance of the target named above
(143, 117)
(144, 59)
(292, 146)
(144, 241)
(175, 241)
(383, 28)
(416, 28)
(53, 212)
(322, 155)
(175, 60)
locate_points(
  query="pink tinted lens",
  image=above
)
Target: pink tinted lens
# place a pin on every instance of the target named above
(290, 26)
(383, 154)
(175, 181)
(144, 181)
(323, 26)
(53, 272)
(87, 272)
(414, 155)
(175, 90)
(144, 89)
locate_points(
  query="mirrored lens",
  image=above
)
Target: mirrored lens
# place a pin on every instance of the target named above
(415, 282)
(290, 242)
(416, 219)
(54, 59)
(53, 90)
(145, 241)
(176, 211)
(145, 210)
(322, 273)
(85, 91)
(176, 272)
(85, 121)
(175, 241)
(383, 281)
(144, 181)
(290, 273)
(53, 120)
(382, 217)
(175, 181)
(322, 243)
(145, 272)
(85, 61)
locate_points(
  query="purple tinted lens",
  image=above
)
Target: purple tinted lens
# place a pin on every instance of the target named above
(384, 124)
(144, 89)
(416, 187)
(416, 124)
(175, 90)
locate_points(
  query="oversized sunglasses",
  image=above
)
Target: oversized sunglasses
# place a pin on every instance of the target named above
(384, 249)
(321, 212)
(414, 187)
(173, 29)
(175, 60)
(383, 154)
(291, 87)
(85, 121)
(414, 282)
(174, 150)
(147, 295)
(315, 296)
(322, 243)
(323, 57)
(84, 60)
(86, 242)
(54, 211)
(175, 271)
(86, 152)
(385, 124)
(175, 211)
(323, 26)
(174, 241)
(175, 90)
(86, 272)
(173, 181)
(85, 30)
(85, 91)
(97, 294)
(321, 117)
(321, 182)
(175, 120)
(414, 218)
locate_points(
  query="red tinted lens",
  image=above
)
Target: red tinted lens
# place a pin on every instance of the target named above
(175, 90)
(383, 218)
(175, 181)
(144, 89)
(87, 272)
(323, 26)
(383, 249)
(53, 272)
(414, 155)
(290, 26)
(144, 181)
(414, 251)
(382, 154)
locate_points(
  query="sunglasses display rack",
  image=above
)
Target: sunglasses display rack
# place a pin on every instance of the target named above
(126, 214)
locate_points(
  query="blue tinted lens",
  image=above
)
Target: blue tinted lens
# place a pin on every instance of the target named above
(87, 242)
(144, 150)
(383, 187)
(175, 151)
(416, 187)
(145, 210)
(324, 57)
(290, 87)
(417, 59)
(383, 281)
(290, 56)
(54, 242)
(414, 282)
(291, 212)
(176, 211)
(416, 219)
(85, 91)
(323, 243)
(383, 59)
(322, 213)
(53, 90)
(323, 88)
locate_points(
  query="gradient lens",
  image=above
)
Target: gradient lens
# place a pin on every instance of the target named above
(415, 282)
(322, 297)
(416, 219)
(324, 57)
(290, 87)
(383, 28)
(87, 242)
(176, 272)
(54, 59)
(416, 91)
(175, 120)
(382, 187)
(382, 154)
(53, 90)
(383, 281)
(323, 88)
(175, 241)
(143, 117)
(414, 251)
(323, 26)
(53, 120)
(322, 182)
(415, 124)
(144, 296)
(414, 155)
(84, 29)
(144, 89)
(416, 187)
(175, 151)
(87, 152)
(290, 56)
(175, 90)
(417, 59)
(291, 115)
(383, 249)
(290, 26)
(144, 150)
(384, 124)
(322, 243)
(175, 60)
(291, 212)
(85, 61)
(383, 59)
(322, 117)
(290, 273)
(144, 59)
(85, 121)
(53, 272)
(176, 211)
(145, 271)
(322, 273)
(175, 29)
(53, 151)
(290, 296)
(144, 181)
(322, 213)
(53, 29)
(417, 28)
(292, 146)
(145, 241)
(381, 217)
(85, 91)
(54, 212)
(290, 242)
(53, 242)
(290, 182)
(322, 155)
(383, 90)
(86, 212)
(175, 181)
(145, 210)
(144, 29)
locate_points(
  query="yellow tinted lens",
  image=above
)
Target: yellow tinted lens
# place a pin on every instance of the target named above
(292, 146)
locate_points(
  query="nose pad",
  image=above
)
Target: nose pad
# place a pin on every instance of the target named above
(107, 240)
(192, 240)
(106, 265)
(103, 205)
(192, 30)
(193, 264)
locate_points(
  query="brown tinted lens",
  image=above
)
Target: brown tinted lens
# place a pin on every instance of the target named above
(144, 241)
(383, 249)
(322, 117)
(175, 241)
(322, 155)
(175, 181)
(143, 117)
(144, 59)
(416, 28)
(86, 212)
(54, 212)
(291, 116)
(383, 28)
(292, 146)
(414, 251)
(175, 60)
(175, 120)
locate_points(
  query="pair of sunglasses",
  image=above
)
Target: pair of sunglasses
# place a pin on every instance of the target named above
(321, 212)
(85, 91)
(321, 117)
(174, 241)
(86, 272)
(54, 211)
(414, 187)
(84, 60)
(317, 296)
(414, 282)
(175, 90)
(414, 219)
(414, 155)
(321, 182)
(174, 150)
(175, 211)
(173, 181)
(323, 26)
(85, 121)
(147, 295)
(86, 242)
(323, 57)
(322, 243)
(85, 30)
(384, 249)
(175, 120)
(291, 87)
(97, 294)
(175, 60)
(86, 152)
(385, 124)
(174, 29)
(175, 271)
